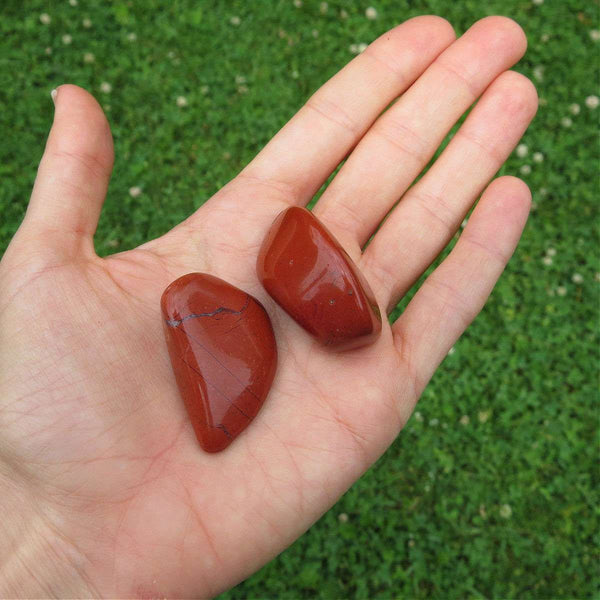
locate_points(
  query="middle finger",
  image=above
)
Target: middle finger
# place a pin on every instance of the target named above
(401, 142)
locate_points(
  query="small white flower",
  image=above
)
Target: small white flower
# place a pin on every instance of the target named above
(297, 3)
(451, 351)
(239, 79)
(411, 543)
(551, 252)
(235, 20)
(542, 101)
(242, 89)
(566, 122)
(483, 416)
(48, 50)
(132, 36)
(537, 2)
(371, 13)
(482, 511)
(505, 509)
(113, 243)
(543, 192)
(595, 34)
(418, 416)
(204, 89)
(575, 108)
(538, 157)
(45, 19)
(66, 39)
(181, 101)
(343, 518)
(105, 87)
(343, 14)
(545, 37)
(525, 170)
(592, 102)
(362, 47)
(87, 23)
(561, 290)
(135, 191)
(538, 72)
(434, 422)
(597, 276)
(464, 223)
(315, 33)
(88, 57)
(353, 48)
(547, 260)
(577, 278)
(464, 420)
(73, 2)
(323, 7)
(295, 74)
(522, 150)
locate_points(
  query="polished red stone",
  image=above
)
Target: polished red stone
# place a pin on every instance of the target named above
(223, 353)
(312, 278)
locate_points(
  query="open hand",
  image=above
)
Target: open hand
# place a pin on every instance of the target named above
(105, 491)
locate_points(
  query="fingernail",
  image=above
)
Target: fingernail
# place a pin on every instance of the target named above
(53, 95)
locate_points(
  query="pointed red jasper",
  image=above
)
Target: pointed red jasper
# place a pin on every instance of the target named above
(223, 353)
(308, 273)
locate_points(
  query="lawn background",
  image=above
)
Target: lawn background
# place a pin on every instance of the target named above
(491, 490)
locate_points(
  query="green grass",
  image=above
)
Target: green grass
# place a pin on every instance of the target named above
(502, 506)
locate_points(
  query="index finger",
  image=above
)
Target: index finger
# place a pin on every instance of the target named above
(298, 160)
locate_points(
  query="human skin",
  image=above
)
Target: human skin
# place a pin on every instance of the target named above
(104, 489)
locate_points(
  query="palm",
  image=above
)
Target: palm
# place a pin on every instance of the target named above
(92, 413)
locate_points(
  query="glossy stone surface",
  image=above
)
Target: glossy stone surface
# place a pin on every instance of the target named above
(313, 279)
(223, 353)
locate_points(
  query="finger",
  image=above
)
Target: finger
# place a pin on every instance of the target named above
(305, 152)
(456, 291)
(431, 211)
(403, 140)
(73, 175)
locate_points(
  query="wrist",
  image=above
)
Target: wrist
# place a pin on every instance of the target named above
(36, 561)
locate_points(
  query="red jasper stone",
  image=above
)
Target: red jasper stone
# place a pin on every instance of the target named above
(223, 353)
(313, 279)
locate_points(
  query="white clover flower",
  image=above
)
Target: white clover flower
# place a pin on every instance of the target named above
(362, 47)
(239, 79)
(575, 108)
(464, 420)
(181, 101)
(88, 57)
(538, 72)
(566, 122)
(135, 191)
(235, 20)
(522, 150)
(297, 3)
(418, 416)
(595, 34)
(545, 37)
(343, 518)
(315, 33)
(597, 276)
(525, 170)
(204, 89)
(592, 102)
(87, 23)
(343, 14)
(48, 50)
(537, 2)
(73, 2)
(242, 89)
(45, 19)
(66, 39)
(105, 87)
(505, 509)
(451, 351)
(371, 13)
(113, 243)
(295, 74)
(323, 7)
(577, 278)
(434, 422)
(561, 290)
(538, 157)
(547, 260)
(132, 36)
(483, 416)
(543, 192)
(551, 252)
(353, 48)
